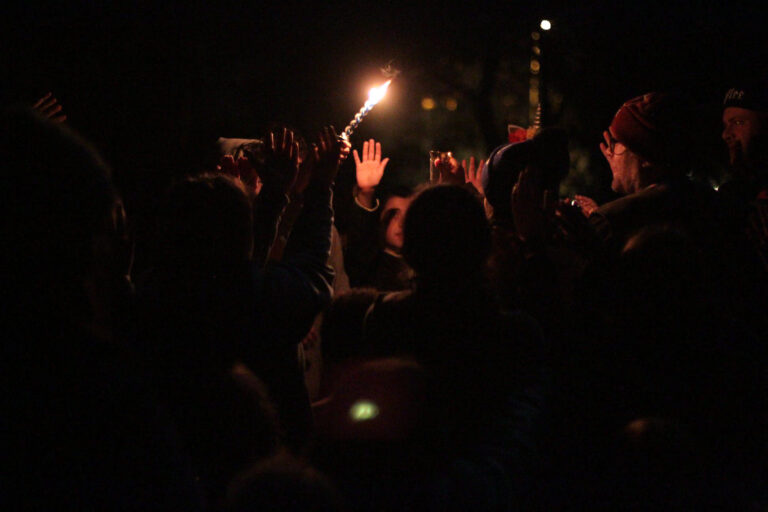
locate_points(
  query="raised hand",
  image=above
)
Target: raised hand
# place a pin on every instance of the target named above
(370, 168)
(346, 147)
(304, 177)
(369, 171)
(586, 204)
(281, 162)
(243, 169)
(473, 174)
(571, 226)
(48, 107)
(450, 171)
(326, 154)
(530, 208)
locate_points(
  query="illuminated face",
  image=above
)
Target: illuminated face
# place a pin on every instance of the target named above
(625, 165)
(393, 237)
(741, 130)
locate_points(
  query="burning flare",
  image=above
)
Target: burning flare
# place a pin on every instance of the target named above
(374, 96)
(377, 93)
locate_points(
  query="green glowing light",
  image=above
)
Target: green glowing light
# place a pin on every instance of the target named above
(363, 410)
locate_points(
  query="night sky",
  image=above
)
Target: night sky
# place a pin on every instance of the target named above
(149, 82)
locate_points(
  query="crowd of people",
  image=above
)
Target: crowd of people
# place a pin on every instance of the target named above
(478, 343)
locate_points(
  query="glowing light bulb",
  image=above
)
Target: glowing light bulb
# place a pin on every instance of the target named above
(545, 25)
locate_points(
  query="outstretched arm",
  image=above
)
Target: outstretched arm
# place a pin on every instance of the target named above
(281, 164)
(299, 286)
(362, 235)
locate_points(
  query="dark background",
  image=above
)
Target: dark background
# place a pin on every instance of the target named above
(152, 84)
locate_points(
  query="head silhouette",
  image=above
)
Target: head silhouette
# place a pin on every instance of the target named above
(207, 221)
(59, 212)
(446, 234)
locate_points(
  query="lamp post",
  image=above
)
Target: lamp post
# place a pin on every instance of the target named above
(537, 91)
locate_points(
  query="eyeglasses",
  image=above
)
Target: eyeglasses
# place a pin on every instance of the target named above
(612, 144)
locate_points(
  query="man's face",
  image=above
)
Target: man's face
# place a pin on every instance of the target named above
(625, 165)
(393, 237)
(743, 129)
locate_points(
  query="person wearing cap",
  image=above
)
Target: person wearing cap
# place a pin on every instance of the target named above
(646, 147)
(745, 132)
(744, 199)
(547, 151)
(523, 273)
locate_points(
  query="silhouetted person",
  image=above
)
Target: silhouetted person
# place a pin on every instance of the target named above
(744, 197)
(285, 484)
(647, 149)
(213, 320)
(745, 133)
(484, 365)
(81, 429)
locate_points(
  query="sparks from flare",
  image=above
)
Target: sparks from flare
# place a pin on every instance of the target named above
(374, 96)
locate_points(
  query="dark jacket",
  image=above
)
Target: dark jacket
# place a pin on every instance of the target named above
(678, 203)
(367, 264)
(194, 325)
(487, 392)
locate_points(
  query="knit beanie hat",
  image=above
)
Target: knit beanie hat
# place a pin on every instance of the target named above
(657, 126)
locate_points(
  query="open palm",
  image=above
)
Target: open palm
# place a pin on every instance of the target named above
(370, 169)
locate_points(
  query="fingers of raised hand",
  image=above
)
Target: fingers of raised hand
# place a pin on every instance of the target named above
(227, 165)
(42, 100)
(329, 144)
(323, 145)
(365, 151)
(48, 107)
(286, 140)
(356, 157)
(46, 104)
(295, 153)
(384, 164)
(51, 109)
(456, 167)
(377, 154)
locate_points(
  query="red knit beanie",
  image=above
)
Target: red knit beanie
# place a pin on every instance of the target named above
(643, 125)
